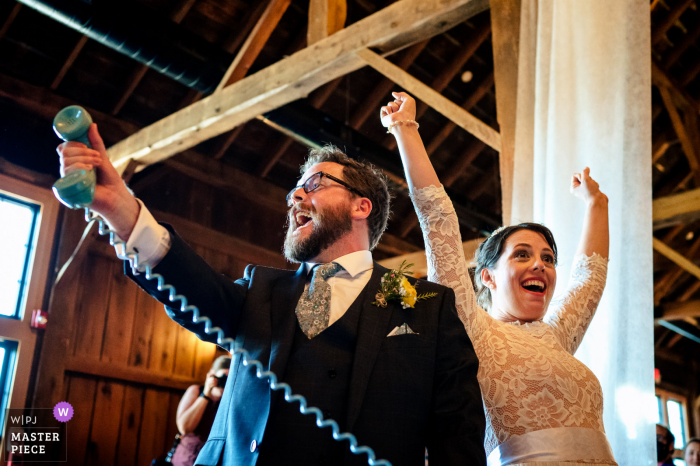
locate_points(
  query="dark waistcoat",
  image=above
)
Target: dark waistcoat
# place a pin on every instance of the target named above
(319, 369)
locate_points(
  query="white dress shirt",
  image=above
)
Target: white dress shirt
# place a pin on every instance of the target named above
(152, 241)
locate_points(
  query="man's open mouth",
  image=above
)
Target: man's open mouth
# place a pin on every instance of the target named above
(534, 286)
(302, 219)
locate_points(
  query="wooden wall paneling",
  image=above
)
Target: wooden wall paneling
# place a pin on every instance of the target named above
(185, 352)
(205, 353)
(106, 421)
(129, 426)
(81, 395)
(154, 426)
(163, 342)
(92, 307)
(123, 300)
(143, 329)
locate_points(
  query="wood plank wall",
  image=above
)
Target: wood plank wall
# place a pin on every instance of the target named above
(111, 351)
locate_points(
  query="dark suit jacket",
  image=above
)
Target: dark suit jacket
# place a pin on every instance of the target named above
(406, 392)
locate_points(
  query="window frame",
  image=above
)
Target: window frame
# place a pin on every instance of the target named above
(19, 330)
(665, 396)
(29, 259)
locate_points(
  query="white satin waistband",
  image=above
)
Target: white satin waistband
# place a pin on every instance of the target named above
(558, 444)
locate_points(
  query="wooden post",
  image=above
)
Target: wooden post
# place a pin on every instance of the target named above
(326, 17)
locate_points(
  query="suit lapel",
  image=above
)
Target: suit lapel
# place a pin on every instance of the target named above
(285, 295)
(371, 331)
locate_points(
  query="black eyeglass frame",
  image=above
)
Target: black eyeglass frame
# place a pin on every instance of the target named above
(321, 175)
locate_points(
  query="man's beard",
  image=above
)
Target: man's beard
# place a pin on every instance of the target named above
(328, 227)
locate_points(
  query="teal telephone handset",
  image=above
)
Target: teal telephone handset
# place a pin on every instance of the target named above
(77, 190)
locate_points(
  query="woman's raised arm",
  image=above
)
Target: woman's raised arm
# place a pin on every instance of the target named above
(595, 237)
(399, 116)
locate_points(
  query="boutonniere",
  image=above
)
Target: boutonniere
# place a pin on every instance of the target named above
(395, 286)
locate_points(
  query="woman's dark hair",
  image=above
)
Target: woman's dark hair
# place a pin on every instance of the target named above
(692, 440)
(222, 362)
(364, 177)
(488, 253)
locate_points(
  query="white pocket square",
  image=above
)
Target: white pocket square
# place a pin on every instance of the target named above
(402, 329)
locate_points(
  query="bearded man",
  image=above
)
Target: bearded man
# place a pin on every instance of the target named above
(401, 378)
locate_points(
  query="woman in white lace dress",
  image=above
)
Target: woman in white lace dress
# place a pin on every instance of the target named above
(543, 406)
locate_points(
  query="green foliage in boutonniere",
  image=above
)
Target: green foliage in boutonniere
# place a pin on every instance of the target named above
(395, 286)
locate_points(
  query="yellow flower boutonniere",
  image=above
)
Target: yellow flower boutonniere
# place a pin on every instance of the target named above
(395, 286)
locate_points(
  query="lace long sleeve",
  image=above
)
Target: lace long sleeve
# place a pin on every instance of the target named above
(446, 262)
(570, 315)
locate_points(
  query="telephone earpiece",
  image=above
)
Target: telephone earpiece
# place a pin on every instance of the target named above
(76, 189)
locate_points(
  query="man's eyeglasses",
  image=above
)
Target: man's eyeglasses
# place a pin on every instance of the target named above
(314, 182)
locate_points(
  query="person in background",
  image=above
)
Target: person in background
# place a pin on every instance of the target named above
(664, 446)
(196, 412)
(692, 452)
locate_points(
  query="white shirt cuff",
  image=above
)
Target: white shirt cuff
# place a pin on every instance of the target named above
(149, 239)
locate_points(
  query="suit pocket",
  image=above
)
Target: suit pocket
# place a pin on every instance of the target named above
(408, 340)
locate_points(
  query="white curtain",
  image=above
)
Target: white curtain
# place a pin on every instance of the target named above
(584, 99)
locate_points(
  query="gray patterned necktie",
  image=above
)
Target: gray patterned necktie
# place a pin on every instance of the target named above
(314, 307)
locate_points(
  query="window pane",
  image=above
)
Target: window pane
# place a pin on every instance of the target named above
(17, 222)
(2, 363)
(659, 411)
(675, 422)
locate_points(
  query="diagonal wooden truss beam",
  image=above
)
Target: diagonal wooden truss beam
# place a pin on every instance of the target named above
(676, 257)
(400, 24)
(682, 131)
(433, 98)
(681, 310)
(254, 43)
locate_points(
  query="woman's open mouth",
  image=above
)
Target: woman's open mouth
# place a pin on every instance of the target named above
(534, 286)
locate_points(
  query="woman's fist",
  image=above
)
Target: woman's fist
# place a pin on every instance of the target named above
(585, 187)
(402, 108)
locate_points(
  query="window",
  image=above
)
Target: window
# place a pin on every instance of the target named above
(672, 413)
(17, 235)
(8, 352)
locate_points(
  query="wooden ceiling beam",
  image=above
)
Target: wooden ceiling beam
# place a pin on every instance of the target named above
(10, 19)
(690, 74)
(676, 257)
(677, 208)
(660, 31)
(437, 140)
(326, 17)
(420, 262)
(382, 91)
(227, 142)
(254, 43)
(323, 93)
(241, 31)
(436, 100)
(664, 285)
(140, 70)
(274, 155)
(400, 24)
(661, 79)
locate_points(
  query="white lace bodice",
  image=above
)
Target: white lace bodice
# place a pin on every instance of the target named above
(529, 378)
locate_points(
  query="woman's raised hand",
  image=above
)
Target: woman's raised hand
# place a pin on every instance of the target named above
(586, 188)
(402, 108)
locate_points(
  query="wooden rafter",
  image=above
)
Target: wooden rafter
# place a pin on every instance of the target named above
(420, 261)
(675, 53)
(69, 62)
(682, 131)
(138, 73)
(274, 156)
(450, 126)
(254, 43)
(326, 17)
(681, 310)
(439, 103)
(10, 19)
(664, 285)
(683, 207)
(660, 31)
(382, 91)
(400, 24)
(226, 143)
(676, 257)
